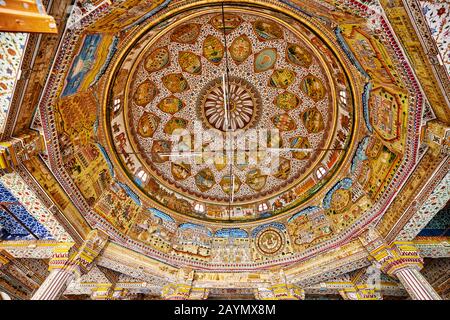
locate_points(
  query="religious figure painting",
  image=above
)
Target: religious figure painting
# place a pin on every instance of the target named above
(284, 122)
(265, 59)
(159, 149)
(145, 93)
(175, 82)
(186, 33)
(171, 105)
(299, 55)
(227, 183)
(232, 21)
(190, 62)
(157, 60)
(256, 180)
(282, 78)
(313, 87)
(267, 30)
(240, 49)
(147, 124)
(287, 101)
(213, 49)
(205, 180)
(175, 123)
(300, 142)
(180, 171)
(313, 120)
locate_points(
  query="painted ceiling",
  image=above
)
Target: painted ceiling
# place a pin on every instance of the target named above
(335, 82)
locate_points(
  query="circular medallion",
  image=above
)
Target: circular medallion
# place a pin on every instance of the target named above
(270, 241)
(243, 104)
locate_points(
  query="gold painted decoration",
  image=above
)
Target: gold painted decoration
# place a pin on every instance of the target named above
(313, 120)
(180, 171)
(232, 21)
(147, 124)
(186, 33)
(267, 30)
(213, 49)
(284, 169)
(300, 143)
(340, 199)
(157, 60)
(313, 87)
(282, 78)
(385, 112)
(265, 59)
(240, 49)
(270, 241)
(227, 183)
(171, 105)
(205, 180)
(299, 55)
(145, 93)
(284, 122)
(175, 82)
(160, 147)
(220, 161)
(255, 179)
(190, 62)
(175, 123)
(287, 101)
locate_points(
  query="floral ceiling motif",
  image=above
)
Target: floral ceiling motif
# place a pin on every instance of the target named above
(437, 15)
(11, 51)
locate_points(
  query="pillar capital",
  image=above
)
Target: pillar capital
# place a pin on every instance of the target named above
(183, 291)
(65, 266)
(91, 248)
(5, 258)
(182, 288)
(360, 292)
(60, 256)
(19, 149)
(397, 256)
(280, 289)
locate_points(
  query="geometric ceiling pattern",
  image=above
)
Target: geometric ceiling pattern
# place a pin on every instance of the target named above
(11, 51)
(16, 223)
(437, 15)
(27, 212)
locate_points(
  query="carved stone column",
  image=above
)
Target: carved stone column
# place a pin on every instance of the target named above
(402, 260)
(65, 267)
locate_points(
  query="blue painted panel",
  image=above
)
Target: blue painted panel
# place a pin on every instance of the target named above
(82, 64)
(13, 230)
(231, 233)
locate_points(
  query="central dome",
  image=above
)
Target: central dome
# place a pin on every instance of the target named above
(280, 90)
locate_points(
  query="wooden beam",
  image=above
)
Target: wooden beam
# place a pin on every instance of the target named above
(26, 16)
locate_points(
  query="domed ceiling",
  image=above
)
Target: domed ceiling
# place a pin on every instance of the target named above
(289, 96)
(256, 136)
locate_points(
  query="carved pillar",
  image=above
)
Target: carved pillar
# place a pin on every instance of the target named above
(402, 260)
(65, 267)
(19, 149)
